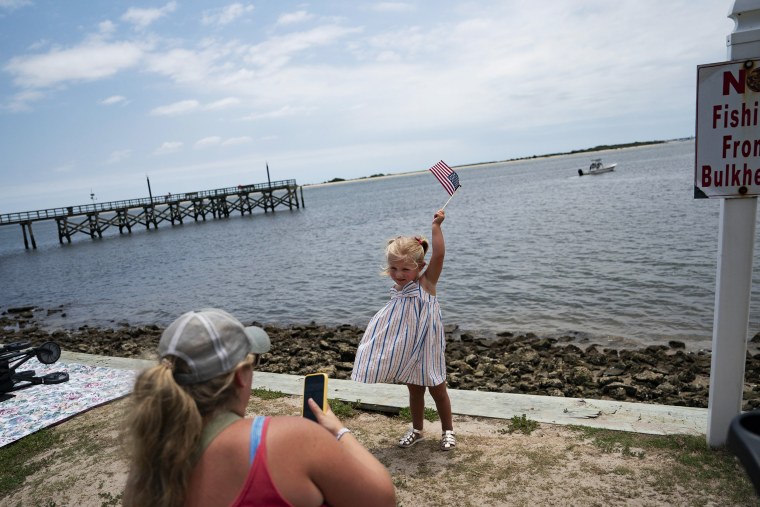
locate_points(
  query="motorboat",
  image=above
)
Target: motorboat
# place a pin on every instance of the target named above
(597, 167)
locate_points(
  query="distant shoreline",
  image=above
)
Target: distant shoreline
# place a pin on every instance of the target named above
(595, 149)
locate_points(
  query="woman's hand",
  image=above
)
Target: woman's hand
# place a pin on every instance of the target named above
(439, 217)
(326, 419)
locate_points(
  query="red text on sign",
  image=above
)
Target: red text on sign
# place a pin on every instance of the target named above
(730, 176)
(728, 117)
(744, 147)
(739, 84)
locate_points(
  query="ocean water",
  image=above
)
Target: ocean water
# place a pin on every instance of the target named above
(626, 258)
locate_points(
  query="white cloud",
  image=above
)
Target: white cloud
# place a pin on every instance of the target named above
(292, 18)
(222, 104)
(226, 15)
(235, 141)
(14, 4)
(142, 18)
(189, 106)
(392, 7)
(282, 112)
(88, 62)
(207, 142)
(278, 51)
(169, 147)
(181, 107)
(118, 156)
(36, 46)
(106, 27)
(212, 141)
(114, 99)
(22, 101)
(184, 65)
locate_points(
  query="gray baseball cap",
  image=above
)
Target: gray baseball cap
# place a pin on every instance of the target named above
(212, 342)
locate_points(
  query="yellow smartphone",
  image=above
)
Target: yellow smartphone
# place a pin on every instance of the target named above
(314, 387)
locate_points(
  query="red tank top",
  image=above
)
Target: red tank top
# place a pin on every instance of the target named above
(258, 488)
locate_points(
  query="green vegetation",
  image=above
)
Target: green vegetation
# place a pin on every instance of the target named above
(406, 414)
(521, 424)
(694, 465)
(25, 457)
(109, 499)
(600, 147)
(266, 394)
(342, 409)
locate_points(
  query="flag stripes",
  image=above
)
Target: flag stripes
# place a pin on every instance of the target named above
(448, 178)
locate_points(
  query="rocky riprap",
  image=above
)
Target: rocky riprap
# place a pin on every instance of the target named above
(522, 364)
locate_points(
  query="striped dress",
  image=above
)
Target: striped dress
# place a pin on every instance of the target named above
(404, 342)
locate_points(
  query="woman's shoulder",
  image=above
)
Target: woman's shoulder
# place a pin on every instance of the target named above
(287, 435)
(288, 424)
(275, 428)
(228, 440)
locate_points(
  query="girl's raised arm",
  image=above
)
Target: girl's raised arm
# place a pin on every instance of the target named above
(433, 271)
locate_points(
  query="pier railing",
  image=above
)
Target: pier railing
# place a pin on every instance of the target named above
(101, 207)
(94, 219)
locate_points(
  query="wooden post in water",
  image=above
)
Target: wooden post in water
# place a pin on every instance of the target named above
(24, 226)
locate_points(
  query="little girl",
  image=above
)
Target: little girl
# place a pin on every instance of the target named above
(404, 342)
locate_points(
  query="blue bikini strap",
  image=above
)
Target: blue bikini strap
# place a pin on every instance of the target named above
(256, 428)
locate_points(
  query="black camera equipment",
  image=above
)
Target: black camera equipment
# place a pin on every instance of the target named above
(15, 354)
(744, 442)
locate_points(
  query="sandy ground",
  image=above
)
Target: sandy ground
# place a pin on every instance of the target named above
(553, 465)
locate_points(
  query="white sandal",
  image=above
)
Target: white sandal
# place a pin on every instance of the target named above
(448, 440)
(410, 438)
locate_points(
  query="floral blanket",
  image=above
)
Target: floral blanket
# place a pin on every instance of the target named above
(36, 407)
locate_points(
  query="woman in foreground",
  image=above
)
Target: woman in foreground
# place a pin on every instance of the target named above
(192, 445)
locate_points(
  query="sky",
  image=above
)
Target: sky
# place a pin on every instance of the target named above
(96, 97)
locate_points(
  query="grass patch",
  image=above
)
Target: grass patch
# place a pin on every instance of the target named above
(109, 499)
(342, 409)
(521, 424)
(266, 394)
(406, 414)
(613, 442)
(425, 470)
(22, 459)
(695, 466)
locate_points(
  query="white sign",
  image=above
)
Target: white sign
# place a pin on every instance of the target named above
(727, 162)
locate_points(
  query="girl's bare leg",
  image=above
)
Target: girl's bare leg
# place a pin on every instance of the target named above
(417, 405)
(442, 404)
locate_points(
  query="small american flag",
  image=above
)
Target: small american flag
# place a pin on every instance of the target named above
(448, 178)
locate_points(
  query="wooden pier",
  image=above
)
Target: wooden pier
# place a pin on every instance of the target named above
(94, 219)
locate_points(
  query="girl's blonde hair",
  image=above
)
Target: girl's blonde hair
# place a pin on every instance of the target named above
(164, 428)
(405, 249)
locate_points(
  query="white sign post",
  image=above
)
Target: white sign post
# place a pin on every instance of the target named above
(727, 166)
